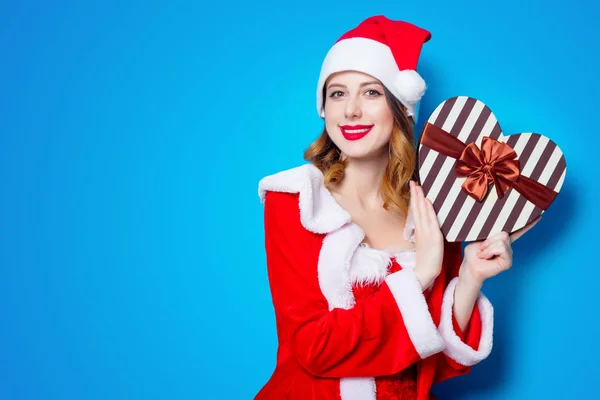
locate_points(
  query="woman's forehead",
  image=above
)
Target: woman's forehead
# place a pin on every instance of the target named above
(344, 77)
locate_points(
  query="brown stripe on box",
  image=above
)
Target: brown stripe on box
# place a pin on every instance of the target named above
(495, 211)
(439, 121)
(555, 177)
(462, 195)
(445, 189)
(447, 186)
(478, 205)
(454, 131)
(534, 214)
(552, 182)
(515, 213)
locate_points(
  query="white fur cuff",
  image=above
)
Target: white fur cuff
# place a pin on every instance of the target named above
(456, 349)
(358, 389)
(408, 294)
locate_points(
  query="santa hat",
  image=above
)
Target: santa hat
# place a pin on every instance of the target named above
(385, 49)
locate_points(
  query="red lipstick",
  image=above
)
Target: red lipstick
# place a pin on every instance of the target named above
(355, 132)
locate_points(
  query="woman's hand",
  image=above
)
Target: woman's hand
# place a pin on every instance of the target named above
(428, 237)
(485, 259)
(481, 261)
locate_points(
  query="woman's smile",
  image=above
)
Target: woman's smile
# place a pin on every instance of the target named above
(355, 132)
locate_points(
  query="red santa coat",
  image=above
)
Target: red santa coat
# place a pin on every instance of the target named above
(330, 345)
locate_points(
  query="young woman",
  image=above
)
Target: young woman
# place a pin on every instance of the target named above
(371, 302)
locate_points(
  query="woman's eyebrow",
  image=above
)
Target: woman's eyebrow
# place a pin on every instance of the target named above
(361, 85)
(370, 83)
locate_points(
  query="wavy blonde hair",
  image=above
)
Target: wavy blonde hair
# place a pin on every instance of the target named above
(401, 167)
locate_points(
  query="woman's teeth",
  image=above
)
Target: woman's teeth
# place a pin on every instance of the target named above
(356, 130)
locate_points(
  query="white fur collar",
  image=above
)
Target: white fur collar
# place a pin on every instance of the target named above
(371, 266)
(319, 212)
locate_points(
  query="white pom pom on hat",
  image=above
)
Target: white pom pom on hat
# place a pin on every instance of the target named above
(385, 49)
(410, 86)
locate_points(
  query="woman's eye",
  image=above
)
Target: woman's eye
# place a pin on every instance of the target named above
(373, 92)
(336, 94)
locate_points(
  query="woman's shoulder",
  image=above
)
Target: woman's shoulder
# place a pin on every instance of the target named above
(302, 187)
(292, 180)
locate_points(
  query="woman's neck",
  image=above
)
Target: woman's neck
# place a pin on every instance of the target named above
(362, 180)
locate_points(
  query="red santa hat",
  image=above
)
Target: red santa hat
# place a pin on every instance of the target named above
(385, 49)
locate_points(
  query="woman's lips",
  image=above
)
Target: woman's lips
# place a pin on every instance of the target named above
(355, 132)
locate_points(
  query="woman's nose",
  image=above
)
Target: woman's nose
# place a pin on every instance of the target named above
(353, 109)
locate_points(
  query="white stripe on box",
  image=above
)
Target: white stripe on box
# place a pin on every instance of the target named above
(560, 181)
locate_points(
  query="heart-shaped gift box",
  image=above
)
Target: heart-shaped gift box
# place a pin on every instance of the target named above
(482, 182)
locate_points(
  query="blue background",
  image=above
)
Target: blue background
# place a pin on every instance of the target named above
(132, 139)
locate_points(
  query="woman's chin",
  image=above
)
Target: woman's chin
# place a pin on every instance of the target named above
(363, 154)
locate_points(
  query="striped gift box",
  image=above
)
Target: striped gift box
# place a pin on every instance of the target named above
(463, 216)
